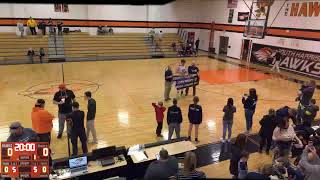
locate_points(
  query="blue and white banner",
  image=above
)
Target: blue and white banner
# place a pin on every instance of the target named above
(182, 82)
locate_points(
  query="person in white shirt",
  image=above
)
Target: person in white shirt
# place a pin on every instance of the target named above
(181, 71)
(20, 27)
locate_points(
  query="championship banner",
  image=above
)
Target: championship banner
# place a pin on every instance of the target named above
(298, 61)
(185, 81)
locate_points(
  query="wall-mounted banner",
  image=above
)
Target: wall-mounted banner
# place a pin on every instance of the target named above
(182, 82)
(298, 61)
(243, 16)
(302, 8)
(232, 3)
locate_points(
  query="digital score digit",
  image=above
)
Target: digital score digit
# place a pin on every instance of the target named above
(24, 160)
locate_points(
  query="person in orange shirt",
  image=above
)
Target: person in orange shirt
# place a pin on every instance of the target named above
(42, 121)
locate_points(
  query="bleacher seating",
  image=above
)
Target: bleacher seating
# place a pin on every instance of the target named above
(165, 44)
(14, 48)
(133, 45)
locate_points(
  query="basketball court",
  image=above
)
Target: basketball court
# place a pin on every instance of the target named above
(125, 89)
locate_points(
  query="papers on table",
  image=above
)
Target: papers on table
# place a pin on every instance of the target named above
(140, 156)
(134, 149)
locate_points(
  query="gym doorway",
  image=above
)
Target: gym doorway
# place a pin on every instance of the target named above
(245, 49)
(223, 46)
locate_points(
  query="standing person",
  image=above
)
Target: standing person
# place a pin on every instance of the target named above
(189, 171)
(160, 36)
(42, 25)
(181, 71)
(20, 27)
(63, 98)
(195, 117)
(51, 26)
(277, 59)
(197, 45)
(268, 124)
(236, 150)
(91, 115)
(193, 71)
(30, 55)
(31, 23)
(20, 134)
(159, 109)
(243, 165)
(174, 119)
(305, 95)
(249, 104)
(41, 55)
(168, 76)
(59, 26)
(42, 121)
(76, 119)
(228, 110)
(152, 33)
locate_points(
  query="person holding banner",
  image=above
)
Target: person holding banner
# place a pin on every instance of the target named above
(195, 117)
(193, 70)
(277, 60)
(168, 83)
(181, 71)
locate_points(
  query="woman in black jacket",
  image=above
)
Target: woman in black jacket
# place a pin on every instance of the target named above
(195, 117)
(236, 149)
(249, 104)
(268, 124)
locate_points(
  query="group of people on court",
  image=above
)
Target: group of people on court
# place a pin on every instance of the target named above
(69, 111)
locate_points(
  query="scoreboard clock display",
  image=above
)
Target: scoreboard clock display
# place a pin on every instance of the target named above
(24, 159)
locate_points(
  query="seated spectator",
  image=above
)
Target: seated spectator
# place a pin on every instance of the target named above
(30, 55)
(152, 34)
(41, 54)
(263, 174)
(189, 169)
(174, 46)
(243, 165)
(310, 163)
(20, 134)
(101, 31)
(163, 168)
(110, 30)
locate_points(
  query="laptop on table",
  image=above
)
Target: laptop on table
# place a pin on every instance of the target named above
(78, 165)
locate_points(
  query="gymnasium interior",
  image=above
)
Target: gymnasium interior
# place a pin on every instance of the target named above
(120, 51)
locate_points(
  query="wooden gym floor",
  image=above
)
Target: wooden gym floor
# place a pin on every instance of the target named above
(124, 91)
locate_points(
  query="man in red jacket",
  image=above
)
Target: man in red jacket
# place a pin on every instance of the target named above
(159, 109)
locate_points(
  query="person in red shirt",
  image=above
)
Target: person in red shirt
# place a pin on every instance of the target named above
(159, 109)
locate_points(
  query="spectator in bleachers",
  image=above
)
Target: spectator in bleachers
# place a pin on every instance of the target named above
(228, 110)
(51, 26)
(160, 36)
(41, 54)
(42, 121)
(101, 31)
(268, 124)
(174, 46)
(30, 55)
(32, 24)
(310, 163)
(110, 30)
(20, 134)
(152, 34)
(174, 119)
(243, 165)
(42, 26)
(195, 118)
(164, 168)
(236, 149)
(249, 104)
(189, 171)
(20, 27)
(59, 26)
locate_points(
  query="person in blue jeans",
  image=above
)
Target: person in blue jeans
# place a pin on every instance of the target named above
(228, 110)
(249, 103)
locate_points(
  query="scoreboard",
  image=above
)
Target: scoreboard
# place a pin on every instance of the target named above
(24, 159)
